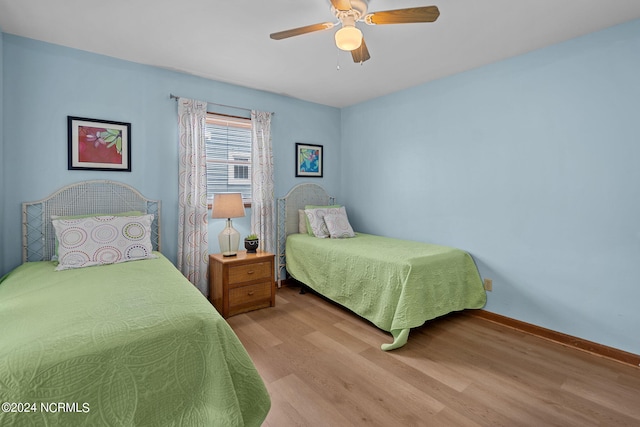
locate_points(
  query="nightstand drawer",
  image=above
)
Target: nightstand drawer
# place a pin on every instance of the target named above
(249, 272)
(251, 297)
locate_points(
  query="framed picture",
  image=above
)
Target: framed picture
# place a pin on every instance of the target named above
(308, 160)
(99, 145)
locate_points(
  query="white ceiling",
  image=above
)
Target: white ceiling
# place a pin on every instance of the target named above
(228, 40)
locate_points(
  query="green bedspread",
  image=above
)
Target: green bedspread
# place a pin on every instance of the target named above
(120, 345)
(395, 284)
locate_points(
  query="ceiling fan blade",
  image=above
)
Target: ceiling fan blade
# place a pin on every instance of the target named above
(403, 16)
(361, 54)
(343, 5)
(302, 30)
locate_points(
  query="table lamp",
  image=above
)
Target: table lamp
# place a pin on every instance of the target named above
(228, 205)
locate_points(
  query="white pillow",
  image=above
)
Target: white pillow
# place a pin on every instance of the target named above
(302, 222)
(108, 239)
(316, 220)
(338, 225)
(128, 213)
(309, 229)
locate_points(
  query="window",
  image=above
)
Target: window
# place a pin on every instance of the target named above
(239, 168)
(228, 145)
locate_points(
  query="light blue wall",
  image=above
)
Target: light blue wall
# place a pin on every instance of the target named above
(44, 83)
(532, 165)
(2, 179)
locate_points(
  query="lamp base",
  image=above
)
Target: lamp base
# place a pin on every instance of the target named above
(229, 240)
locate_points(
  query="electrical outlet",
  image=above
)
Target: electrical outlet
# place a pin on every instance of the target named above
(488, 284)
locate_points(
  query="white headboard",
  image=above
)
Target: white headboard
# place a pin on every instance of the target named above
(86, 197)
(288, 206)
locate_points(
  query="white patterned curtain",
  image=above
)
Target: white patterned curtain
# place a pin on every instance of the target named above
(193, 248)
(262, 204)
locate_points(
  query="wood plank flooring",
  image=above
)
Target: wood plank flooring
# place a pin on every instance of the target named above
(323, 367)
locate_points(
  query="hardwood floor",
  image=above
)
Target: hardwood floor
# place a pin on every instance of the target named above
(323, 367)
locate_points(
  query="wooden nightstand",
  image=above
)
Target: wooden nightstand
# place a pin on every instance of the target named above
(242, 283)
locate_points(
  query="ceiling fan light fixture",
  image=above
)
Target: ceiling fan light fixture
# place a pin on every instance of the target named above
(348, 38)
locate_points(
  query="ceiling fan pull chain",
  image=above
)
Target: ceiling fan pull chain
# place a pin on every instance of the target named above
(338, 61)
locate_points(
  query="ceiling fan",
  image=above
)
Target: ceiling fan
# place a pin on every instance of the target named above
(348, 12)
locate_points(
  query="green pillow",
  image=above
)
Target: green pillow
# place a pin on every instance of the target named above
(309, 230)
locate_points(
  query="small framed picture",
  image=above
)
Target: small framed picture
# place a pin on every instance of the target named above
(99, 145)
(308, 160)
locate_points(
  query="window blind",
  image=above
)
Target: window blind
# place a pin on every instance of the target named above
(228, 150)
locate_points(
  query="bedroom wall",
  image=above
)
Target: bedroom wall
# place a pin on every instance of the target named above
(531, 165)
(45, 83)
(2, 179)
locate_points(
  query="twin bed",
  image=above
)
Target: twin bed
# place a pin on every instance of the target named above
(128, 343)
(395, 284)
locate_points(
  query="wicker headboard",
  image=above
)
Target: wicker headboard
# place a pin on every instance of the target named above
(86, 197)
(288, 206)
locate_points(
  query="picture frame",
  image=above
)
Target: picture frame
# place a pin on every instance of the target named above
(309, 161)
(99, 145)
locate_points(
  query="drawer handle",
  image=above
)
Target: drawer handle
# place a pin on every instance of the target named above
(250, 272)
(250, 293)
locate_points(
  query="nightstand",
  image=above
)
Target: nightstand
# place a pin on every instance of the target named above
(242, 283)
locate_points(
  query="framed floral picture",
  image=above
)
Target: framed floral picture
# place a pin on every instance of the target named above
(100, 145)
(308, 160)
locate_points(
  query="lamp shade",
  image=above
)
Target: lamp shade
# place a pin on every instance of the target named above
(227, 205)
(348, 38)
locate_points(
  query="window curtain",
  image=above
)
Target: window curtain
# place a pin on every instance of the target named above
(262, 204)
(193, 248)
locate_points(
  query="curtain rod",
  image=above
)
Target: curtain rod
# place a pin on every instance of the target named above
(172, 96)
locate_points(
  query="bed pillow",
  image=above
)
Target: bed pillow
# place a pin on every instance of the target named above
(338, 225)
(98, 240)
(129, 213)
(302, 222)
(309, 229)
(316, 220)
